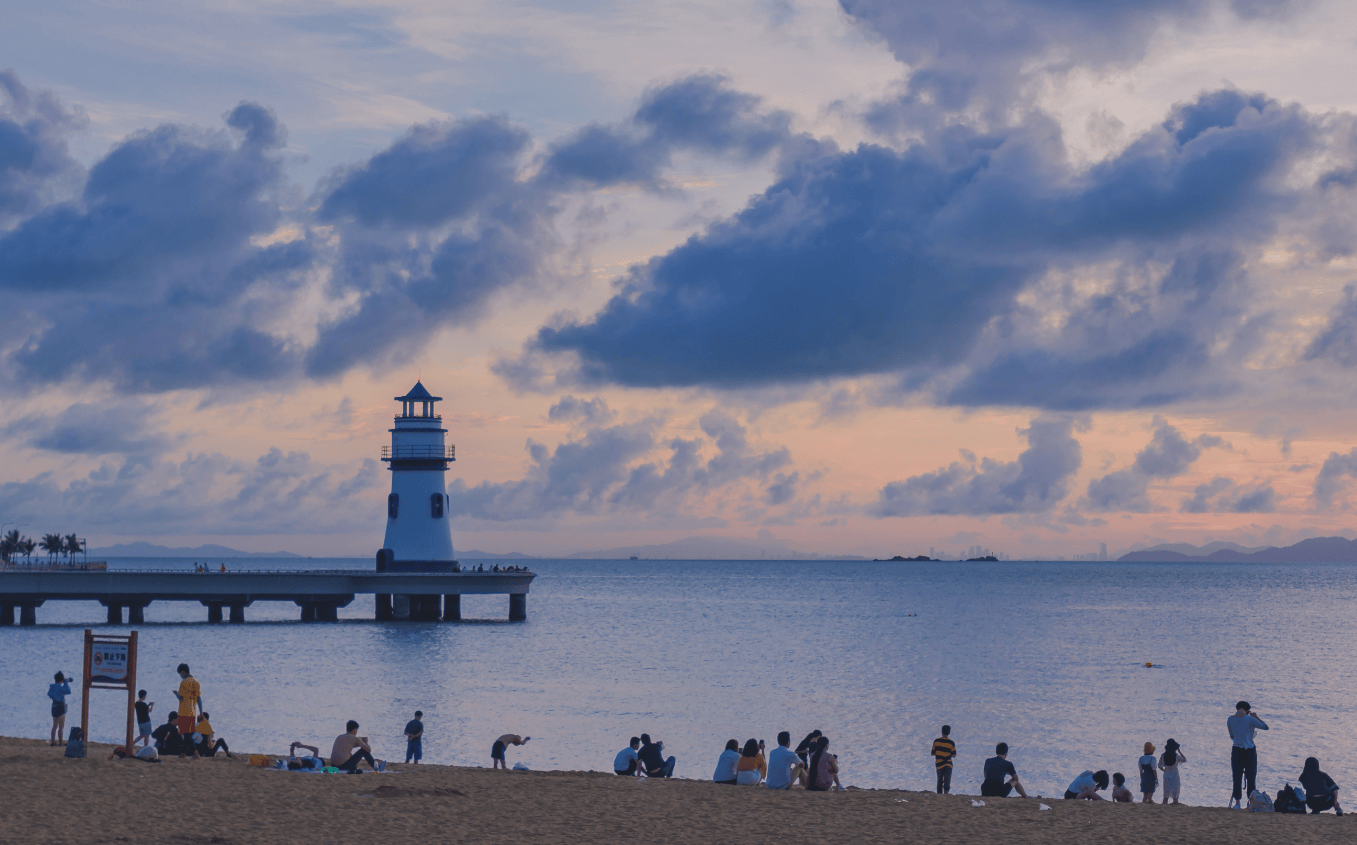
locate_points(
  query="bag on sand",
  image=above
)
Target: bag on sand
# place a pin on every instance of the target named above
(1259, 802)
(1289, 801)
(75, 746)
(262, 761)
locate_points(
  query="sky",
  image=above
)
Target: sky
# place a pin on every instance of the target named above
(863, 277)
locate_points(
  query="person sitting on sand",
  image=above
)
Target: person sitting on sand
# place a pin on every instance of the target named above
(627, 761)
(206, 746)
(312, 762)
(784, 767)
(344, 756)
(653, 760)
(824, 768)
(997, 768)
(807, 747)
(166, 737)
(1086, 786)
(497, 750)
(58, 691)
(751, 767)
(725, 764)
(1169, 763)
(1321, 793)
(146, 754)
(1120, 793)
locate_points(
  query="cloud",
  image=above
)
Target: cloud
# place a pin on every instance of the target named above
(609, 469)
(1035, 483)
(107, 428)
(591, 411)
(951, 265)
(36, 168)
(1332, 479)
(699, 113)
(1338, 340)
(1167, 455)
(1222, 495)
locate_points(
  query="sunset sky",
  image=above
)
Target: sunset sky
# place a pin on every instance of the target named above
(864, 277)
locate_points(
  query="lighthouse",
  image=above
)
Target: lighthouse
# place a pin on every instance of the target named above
(418, 537)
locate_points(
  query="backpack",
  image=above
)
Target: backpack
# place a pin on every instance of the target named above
(75, 746)
(1289, 800)
(1260, 803)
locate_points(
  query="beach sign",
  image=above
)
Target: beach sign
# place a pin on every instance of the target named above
(108, 663)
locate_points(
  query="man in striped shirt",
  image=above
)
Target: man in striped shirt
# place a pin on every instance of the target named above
(943, 752)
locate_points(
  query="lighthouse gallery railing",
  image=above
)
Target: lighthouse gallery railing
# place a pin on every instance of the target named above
(448, 453)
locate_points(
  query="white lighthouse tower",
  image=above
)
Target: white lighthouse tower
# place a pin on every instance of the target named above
(418, 537)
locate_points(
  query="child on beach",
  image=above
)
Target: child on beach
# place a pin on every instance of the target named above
(1169, 762)
(1120, 793)
(414, 738)
(57, 692)
(944, 749)
(1149, 778)
(144, 725)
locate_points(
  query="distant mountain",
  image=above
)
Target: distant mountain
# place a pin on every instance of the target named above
(709, 548)
(1314, 550)
(143, 549)
(1197, 551)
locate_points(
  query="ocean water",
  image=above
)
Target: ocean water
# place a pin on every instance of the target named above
(1048, 657)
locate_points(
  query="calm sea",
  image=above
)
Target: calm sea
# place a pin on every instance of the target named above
(1048, 657)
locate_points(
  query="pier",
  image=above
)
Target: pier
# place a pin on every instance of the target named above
(400, 596)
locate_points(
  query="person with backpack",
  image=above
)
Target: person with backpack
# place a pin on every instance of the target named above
(1321, 793)
(1243, 726)
(1169, 762)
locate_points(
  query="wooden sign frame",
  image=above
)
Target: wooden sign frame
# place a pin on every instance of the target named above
(129, 683)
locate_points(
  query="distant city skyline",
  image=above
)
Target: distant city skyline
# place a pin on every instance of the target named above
(828, 277)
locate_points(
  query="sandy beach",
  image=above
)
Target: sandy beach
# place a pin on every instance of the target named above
(50, 799)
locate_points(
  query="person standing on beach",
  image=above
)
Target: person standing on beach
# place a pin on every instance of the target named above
(57, 691)
(1169, 762)
(497, 750)
(653, 760)
(190, 696)
(997, 768)
(414, 738)
(1149, 775)
(943, 752)
(1243, 726)
(144, 725)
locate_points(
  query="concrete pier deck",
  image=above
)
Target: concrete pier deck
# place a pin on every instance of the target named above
(401, 596)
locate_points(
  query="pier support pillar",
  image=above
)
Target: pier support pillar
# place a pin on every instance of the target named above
(452, 608)
(28, 613)
(383, 607)
(400, 607)
(115, 613)
(214, 612)
(518, 607)
(237, 613)
(6, 615)
(430, 608)
(308, 612)
(136, 614)
(327, 613)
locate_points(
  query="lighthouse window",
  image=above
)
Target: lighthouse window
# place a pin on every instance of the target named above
(436, 502)
(393, 505)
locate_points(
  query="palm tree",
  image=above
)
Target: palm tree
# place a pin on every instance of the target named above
(73, 545)
(9, 544)
(52, 544)
(29, 546)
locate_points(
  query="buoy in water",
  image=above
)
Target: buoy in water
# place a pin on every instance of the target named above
(1149, 665)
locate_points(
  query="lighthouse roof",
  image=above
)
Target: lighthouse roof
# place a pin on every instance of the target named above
(418, 393)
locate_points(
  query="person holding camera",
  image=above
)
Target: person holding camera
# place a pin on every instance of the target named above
(58, 691)
(1243, 725)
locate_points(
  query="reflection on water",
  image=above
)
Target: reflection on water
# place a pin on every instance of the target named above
(1048, 657)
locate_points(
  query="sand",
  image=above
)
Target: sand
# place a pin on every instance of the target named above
(45, 798)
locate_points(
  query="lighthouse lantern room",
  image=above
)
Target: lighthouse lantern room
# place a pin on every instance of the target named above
(418, 537)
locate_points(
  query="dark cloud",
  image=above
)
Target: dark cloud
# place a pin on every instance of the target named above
(699, 113)
(912, 262)
(109, 428)
(36, 169)
(1035, 483)
(1332, 479)
(1222, 495)
(607, 470)
(1167, 455)
(1338, 340)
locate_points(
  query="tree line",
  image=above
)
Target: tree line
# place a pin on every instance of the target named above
(13, 545)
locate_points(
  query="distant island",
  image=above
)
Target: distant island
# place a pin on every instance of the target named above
(1314, 550)
(983, 559)
(903, 558)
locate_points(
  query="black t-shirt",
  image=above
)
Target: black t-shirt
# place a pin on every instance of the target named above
(651, 757)
(164, 731)
(414, 726)
(143, 712)
(996, 768)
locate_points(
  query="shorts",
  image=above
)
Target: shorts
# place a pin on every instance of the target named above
(496, 750)
(186, 725)
(144, 728)
(58, 709)
(1001, 791)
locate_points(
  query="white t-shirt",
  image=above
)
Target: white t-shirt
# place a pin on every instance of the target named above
(625, 758)
(725, 765)
(780, 762)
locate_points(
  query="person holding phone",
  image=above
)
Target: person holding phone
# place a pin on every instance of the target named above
(1243, 726)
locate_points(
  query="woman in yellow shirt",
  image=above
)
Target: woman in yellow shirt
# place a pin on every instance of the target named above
(752, 768)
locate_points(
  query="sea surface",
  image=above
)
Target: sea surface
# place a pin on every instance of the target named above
(1048, 657)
